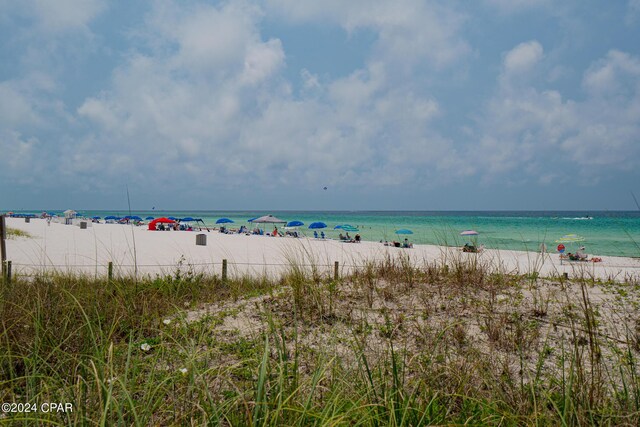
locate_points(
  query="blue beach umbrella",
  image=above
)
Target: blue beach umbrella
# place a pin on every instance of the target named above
(295, 223)
(404, 231)
(111, 217)
(135, 218)
(337, 227)
(95, 217)
(187, 219)
(317, 225)
(224, 221)
(252, 219)
(149, 218)
(173, 218)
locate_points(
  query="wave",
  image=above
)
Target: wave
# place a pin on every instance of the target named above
(579, 218)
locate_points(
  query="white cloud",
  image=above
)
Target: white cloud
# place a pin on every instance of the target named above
(262, 60)
(633, 12)
(231, 117)
(21, 159)
(540, 133)
(523, 58)
(512, 6)
(409, 31)
(55, 16)
(611, 75)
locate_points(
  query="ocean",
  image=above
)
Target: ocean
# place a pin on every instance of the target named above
(614, 233)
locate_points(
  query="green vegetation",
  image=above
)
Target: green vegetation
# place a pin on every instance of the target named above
(390, 344)
(12, 233)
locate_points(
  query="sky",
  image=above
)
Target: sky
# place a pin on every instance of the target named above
(260, 105)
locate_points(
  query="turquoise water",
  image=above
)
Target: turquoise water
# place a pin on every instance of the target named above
(607, 233)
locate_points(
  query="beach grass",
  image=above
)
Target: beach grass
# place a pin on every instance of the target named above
(13, 233)
(392, 343)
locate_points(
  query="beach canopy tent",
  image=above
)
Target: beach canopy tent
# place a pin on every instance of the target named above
(198, 221)
(317, 225)
(70, 213)
(268, 219)
(469, 233)
(224, 221)
(152, 224)
(295, 223)
(404, 231)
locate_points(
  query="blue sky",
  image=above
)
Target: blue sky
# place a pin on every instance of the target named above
(406, 104)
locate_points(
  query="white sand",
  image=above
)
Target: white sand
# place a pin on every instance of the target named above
(69, 248)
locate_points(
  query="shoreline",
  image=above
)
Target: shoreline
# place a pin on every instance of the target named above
(71, 249)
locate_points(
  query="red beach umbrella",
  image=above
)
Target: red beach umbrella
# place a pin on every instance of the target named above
(163, 220)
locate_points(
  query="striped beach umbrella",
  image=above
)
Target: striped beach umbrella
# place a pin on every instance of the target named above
(570, 238)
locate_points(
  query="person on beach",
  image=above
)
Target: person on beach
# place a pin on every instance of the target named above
(322, 234)
(315, 234)
(275, 232)
(582, 256)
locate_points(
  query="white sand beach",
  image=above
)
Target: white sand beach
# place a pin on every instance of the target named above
(69, 248)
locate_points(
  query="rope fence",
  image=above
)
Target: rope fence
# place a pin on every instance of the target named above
(11, 269)
(111, 269)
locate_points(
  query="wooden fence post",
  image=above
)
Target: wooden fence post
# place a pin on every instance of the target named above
(336, 268)
(9, 272)
(110, 271)
(3, 247)
(224, 270)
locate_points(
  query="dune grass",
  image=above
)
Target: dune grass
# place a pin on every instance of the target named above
(13, 233)
(392, 343)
